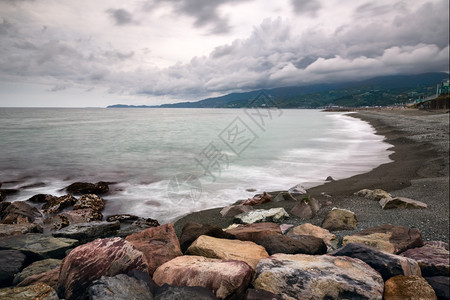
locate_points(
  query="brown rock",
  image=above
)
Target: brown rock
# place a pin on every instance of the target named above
(38, 291)
(339, 219)
(433, 258)
(306, 209)
(401, 202)
(103, 257)
(258, 199)
(19, 212)
(16, 229)
(82, 188)
(191, 231)
(225, 278)
(158, 244)
(67, 218)
(56, 204)
(49, 278)
(250, 232)
(90, 201)
(37, 267)
(212, 247)
(376, 194)
(388, 238)
(408, 287)
(308, 229)
(299, 244)
(232, 210)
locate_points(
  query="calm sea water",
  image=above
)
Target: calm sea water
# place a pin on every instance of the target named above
(169, 162)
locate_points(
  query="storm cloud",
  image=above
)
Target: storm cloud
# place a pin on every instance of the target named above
(181, 50)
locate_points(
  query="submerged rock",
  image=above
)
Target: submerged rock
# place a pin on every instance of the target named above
(318, 277)
(225, 278)
(81, 188)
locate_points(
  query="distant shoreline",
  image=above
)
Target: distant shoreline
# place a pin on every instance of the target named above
(419, 171)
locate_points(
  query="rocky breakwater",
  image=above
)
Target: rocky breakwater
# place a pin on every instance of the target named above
(268, 255)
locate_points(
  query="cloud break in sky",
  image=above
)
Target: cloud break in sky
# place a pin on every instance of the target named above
(95, 53)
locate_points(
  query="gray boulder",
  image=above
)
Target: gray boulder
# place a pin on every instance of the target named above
(119, 287)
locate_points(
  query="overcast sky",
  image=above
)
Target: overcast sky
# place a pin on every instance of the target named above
(95, 53)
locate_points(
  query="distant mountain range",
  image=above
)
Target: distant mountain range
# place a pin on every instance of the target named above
(378, 91)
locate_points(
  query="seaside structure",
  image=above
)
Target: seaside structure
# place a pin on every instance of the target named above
(439, 101)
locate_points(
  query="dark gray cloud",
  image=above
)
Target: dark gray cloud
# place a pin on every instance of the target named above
(121, 16)
(306, 7)
(205, 12)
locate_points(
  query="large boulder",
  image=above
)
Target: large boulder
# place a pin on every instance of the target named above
(82, 188)
(408, 287)
(225, 278)
(232, 210)
(300, 244)
(57, 204)
(67, 218)
(37, 246)
(49, 278)
(120, 286)
(433, 258)
(376, 194)
(318, 277)
(387, 238)
(38, 291)
(88, 262)
(262, 215)
(309, 229)
(440, 285)
(90, 201)
(251, 232)
(191, 231)
(169, 292)
(18, 229)
(37, 267)
(158, 244)
(19, 212)
(339, 219)
(86, 232)
(401, 202)
(11, 263)
(212, 247)
(388, 265)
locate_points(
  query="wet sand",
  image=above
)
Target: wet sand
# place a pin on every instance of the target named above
(420, 171)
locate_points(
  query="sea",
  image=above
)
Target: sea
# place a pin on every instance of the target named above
(165, 163)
